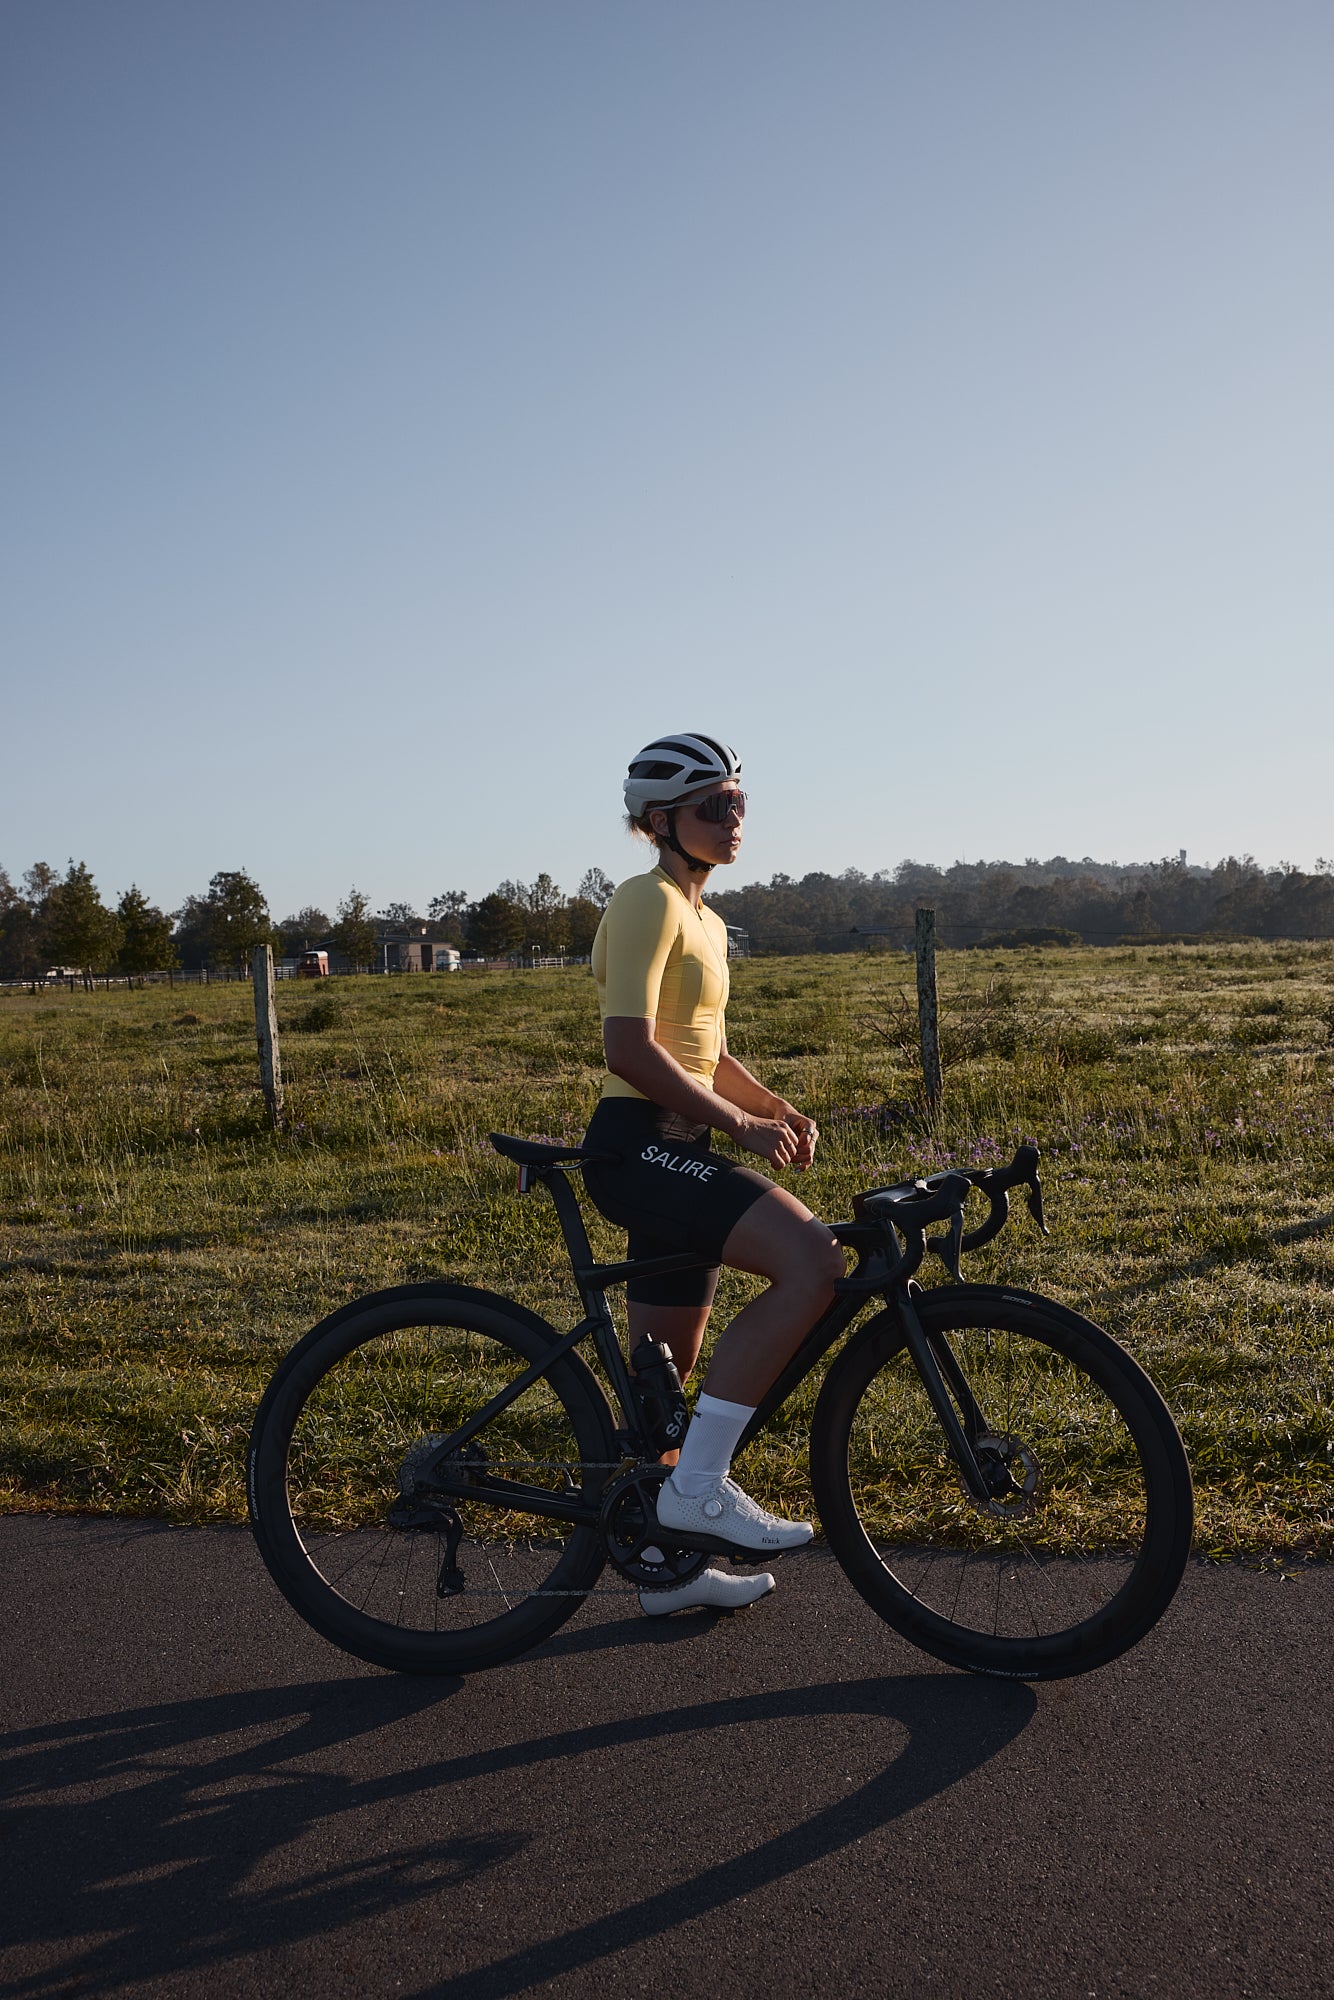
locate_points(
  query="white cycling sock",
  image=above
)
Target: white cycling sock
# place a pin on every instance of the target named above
(710, 1442)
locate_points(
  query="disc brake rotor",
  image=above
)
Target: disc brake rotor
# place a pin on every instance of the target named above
(1014, 1474)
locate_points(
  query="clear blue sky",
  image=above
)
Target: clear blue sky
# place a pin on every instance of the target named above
(410, 407)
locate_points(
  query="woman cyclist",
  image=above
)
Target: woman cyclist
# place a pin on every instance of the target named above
(660, 962)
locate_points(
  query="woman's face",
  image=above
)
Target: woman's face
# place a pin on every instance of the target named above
(715, 841)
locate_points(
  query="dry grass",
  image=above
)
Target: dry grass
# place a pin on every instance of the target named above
(163, 1249)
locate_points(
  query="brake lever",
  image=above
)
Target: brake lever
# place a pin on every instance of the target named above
(1034, 1199)
(948, 1248)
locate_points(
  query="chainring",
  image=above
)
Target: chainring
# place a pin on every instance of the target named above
(630, 1531)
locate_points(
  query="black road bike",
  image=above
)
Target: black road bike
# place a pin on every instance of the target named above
(436, 1479)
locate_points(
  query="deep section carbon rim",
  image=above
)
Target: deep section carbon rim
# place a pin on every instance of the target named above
(346, 1514)
(1083, 1539)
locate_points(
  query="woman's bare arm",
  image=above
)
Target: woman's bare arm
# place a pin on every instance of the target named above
(634, 1055)
(733, 1080)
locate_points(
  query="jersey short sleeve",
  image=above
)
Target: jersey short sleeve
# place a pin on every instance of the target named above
(634, 942)
(658, 958)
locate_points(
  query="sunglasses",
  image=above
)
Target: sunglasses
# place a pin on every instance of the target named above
(720, 806)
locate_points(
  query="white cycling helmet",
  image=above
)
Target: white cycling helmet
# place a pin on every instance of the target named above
(669, 768)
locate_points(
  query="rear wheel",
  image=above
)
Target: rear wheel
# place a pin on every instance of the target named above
(358, 1535)
(1083, 1542)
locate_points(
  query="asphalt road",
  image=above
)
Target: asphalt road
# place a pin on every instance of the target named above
(202, 1798)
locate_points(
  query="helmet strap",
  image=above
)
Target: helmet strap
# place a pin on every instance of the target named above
(692, 861)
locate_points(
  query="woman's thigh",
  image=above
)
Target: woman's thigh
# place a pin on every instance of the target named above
(778, 1238)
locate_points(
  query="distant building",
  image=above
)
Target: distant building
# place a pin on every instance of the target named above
(738, 942)
(419, 947)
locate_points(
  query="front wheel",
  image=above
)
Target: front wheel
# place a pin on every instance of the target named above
(1084, 1539)
(342, 1502)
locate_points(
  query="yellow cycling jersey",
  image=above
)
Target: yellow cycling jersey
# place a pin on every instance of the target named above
(655, 958)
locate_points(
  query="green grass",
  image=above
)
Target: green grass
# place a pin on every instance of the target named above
(163, 1249)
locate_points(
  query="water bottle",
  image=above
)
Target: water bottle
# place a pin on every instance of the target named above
(662, 1401)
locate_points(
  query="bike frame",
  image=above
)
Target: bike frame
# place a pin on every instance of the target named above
(885, 1267)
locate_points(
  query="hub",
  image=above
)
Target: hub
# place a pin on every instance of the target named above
(1012, 1474)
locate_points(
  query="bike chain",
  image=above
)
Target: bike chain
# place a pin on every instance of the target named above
(503, 1465)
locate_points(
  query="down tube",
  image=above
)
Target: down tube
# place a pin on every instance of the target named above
(827, 1329)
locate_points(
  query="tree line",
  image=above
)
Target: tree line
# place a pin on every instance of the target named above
(50, 920)
(1001, 903)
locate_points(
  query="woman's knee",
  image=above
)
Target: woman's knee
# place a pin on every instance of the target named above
(789, 1246)
(818, 1260)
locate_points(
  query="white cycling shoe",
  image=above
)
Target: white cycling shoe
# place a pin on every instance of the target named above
(726, 1519)
(712, 1589)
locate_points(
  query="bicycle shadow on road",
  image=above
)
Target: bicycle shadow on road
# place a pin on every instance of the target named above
(130, 1834)
(953, 1725)
(155, 1841)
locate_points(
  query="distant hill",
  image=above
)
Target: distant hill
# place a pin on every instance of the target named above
(1006, 902)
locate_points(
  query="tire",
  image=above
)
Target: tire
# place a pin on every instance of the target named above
(1083, 1554)
(340, 1414)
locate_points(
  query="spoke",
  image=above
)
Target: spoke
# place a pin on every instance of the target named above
(1028, 1604)
(407, 1569)
(379, 1567)
(360, 1555)
(963, 1571)
(491, 1566)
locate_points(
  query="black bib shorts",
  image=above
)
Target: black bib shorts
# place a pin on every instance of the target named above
(669, 1191)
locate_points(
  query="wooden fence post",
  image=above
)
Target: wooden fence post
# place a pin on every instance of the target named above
(266, 1029)
(928, 1013)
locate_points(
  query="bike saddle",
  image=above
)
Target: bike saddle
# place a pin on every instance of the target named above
(528, 1153)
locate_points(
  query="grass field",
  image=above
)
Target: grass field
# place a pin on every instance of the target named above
(162, 1248)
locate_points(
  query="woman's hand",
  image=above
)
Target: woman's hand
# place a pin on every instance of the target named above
(785, 1140)
(808, 1132)
(772, 1138)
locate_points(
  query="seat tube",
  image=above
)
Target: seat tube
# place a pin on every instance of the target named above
(593, 1298)
(576, 1236)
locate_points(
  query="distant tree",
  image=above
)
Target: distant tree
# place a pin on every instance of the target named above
(582, 917)
(496, 925)
(19, 944)
(596, 888)
(38, 883)
(448, 909)
(302, 931)
(400, 915)
(354, 935)
(80, 929)
(193, 937)
(146, 943)
(23, 948)
(227, 923)
(545, 906)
